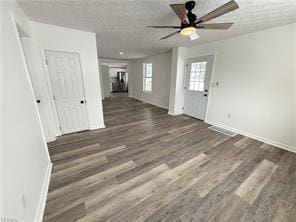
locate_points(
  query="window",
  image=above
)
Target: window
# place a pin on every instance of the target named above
(147, 83)
(197, 76)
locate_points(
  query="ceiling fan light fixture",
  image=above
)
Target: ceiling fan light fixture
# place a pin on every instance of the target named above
(190, 23)
(188, 31)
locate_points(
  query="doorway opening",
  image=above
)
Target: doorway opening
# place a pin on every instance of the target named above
(119, 80)
(114, 78)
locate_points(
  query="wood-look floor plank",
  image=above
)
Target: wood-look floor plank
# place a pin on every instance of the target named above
(285, 212)
(267, 147)
(72, 214)
(243, 142)
(231, 210)
(98, 155)
(141, 192)
(266, 203)
(171, 211)
(159, 199)
(79, 165)
(76, 152)
(149, 166)
(204, 209)
(88, 181)
(60, 204)
(215, 177)
(99, 200)
(253, 185)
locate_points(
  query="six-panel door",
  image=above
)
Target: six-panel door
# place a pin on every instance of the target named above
(67, 86)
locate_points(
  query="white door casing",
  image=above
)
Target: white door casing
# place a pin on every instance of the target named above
(67, 86)
(197, 84)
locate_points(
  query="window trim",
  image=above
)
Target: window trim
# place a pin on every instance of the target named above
(144, 77)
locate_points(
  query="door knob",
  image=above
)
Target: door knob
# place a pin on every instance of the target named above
(81, 101)
(205, 95)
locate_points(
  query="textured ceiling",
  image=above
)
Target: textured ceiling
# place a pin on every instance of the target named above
(120, 24)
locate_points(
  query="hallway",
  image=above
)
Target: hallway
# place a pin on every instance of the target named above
(149, 166)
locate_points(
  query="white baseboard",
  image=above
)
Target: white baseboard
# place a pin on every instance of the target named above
(42, 201)
(259, 138)
(101, 126)
(172, 114)
(48, 140)
(152, 103)
(176, 113)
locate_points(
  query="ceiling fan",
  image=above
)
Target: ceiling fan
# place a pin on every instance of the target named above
(189, 22)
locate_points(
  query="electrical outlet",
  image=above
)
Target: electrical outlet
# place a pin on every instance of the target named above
(229, 115)
(23, 201)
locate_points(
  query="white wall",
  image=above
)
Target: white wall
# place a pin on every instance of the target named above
(177, 81)
(294, 91)
(105, 80)
(50, 37)
(161, 66)
(256, 73)
(129, 73)
(101, 82)
(25, 163)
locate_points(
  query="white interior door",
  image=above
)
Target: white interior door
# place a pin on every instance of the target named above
(39, 89)
(197, 86)
(67, 86)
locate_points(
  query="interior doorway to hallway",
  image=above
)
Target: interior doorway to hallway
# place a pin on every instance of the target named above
(114, 77)
(118, 80)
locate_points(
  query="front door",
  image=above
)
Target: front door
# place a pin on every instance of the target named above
(67, 86)
(197, 85)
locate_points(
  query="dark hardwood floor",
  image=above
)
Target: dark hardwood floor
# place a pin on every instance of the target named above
(149, 166)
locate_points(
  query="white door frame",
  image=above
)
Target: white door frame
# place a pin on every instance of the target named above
(44, 59)
(186, 73)
(52, 102)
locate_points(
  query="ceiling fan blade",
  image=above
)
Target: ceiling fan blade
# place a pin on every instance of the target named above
(228, 7)
(219, 26)
(163, 27)
(180, 11)
(167, 36)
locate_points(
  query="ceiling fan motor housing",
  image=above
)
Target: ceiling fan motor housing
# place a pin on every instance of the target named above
(190, 5)
(189, 22)
(191, 17)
